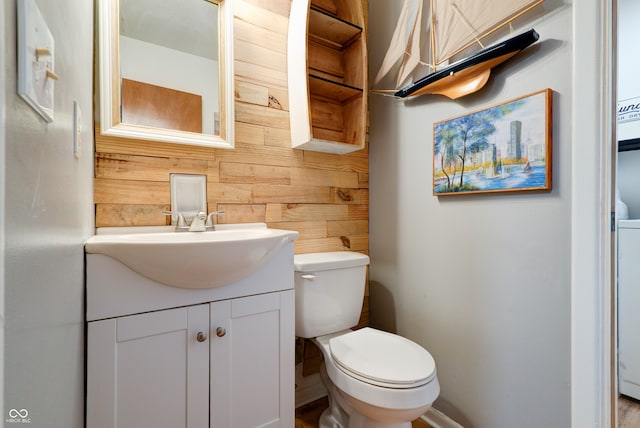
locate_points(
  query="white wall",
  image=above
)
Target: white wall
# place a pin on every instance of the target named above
(629, 87)
(2, 186)
(160, 66)
(482, 281)
(628, 62)
(47, 204)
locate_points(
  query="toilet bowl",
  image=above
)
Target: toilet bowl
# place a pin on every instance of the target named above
(374, 379)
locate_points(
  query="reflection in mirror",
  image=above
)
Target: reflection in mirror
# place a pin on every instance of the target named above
(169, 77)
(166, 70)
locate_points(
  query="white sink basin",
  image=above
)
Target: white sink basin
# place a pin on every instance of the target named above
(193, 259)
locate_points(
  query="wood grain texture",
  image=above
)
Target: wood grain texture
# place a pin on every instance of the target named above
(322, 196)
(356, 161)
(329, 102)
(320, 57)
(234, 172)
(132, 167)
(120, 145)
(112, 215)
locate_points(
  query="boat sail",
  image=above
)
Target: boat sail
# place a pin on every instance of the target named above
(453, 27)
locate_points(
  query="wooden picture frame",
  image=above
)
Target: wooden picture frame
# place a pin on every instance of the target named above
(503, 148)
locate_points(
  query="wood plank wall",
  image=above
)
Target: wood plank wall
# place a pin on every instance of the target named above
(324, 197)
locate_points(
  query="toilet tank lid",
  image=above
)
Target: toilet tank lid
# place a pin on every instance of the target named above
(330, 260)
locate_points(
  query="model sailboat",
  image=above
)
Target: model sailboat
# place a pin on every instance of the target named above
(454, 26)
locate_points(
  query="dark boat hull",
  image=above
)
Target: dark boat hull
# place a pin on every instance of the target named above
(470, 74)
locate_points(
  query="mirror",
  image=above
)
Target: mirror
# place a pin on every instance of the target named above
(166, 70)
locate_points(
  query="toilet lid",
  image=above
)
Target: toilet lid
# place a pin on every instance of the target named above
(382, 358)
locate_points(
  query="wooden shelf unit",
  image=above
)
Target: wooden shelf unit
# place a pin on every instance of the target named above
(331, 28)
(327, 75)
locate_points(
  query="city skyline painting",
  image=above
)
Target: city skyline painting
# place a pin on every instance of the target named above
(504, 148)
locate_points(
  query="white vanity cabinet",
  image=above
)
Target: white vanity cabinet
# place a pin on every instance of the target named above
(250, 364)
(162, 356)
(149, 370)
(155, 369)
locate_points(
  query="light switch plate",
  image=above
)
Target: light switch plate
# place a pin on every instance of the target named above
(35, 59)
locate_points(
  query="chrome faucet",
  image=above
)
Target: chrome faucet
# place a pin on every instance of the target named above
(209, 223)
(182, 223)
(199, 223)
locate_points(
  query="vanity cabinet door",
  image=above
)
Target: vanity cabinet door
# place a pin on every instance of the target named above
(149, 370)
(252, 361)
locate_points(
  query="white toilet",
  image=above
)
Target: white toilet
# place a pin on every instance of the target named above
(374, 379)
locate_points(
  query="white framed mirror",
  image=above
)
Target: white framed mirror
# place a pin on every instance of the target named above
(166, 70)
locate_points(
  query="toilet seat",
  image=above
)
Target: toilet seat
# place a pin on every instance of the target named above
(382, 359)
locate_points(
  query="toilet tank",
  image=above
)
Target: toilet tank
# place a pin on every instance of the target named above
(329, 290)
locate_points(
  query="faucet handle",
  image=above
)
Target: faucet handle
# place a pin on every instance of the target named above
(181, 221)
(209, 222)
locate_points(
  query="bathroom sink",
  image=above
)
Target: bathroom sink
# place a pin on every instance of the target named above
(192, 259)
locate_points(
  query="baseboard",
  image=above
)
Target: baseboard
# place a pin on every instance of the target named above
(437, 419)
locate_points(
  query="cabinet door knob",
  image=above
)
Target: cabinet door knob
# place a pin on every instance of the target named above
(201, 337)
(220, 331)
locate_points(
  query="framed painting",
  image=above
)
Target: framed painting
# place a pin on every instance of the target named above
(504, 148)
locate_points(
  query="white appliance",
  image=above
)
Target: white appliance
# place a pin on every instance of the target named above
(374, 379)
(629, 308)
